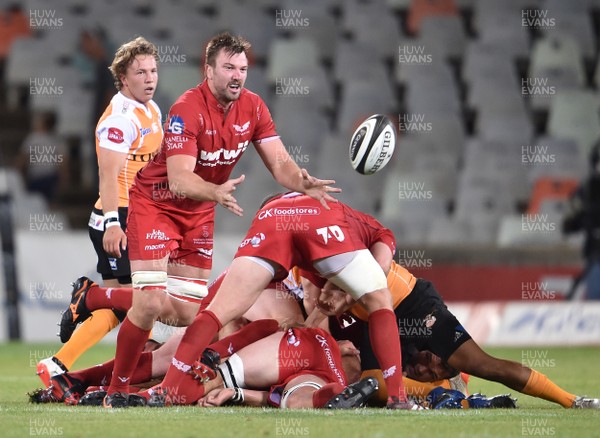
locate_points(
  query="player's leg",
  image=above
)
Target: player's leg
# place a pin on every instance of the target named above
(470, 358)
(359, 274)
(276, 304)
(243, 283)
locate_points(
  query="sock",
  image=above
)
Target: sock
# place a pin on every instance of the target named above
(130, 342)
(143, 370)
(326, 393)
(538, 385)
(87, 335)
(382, 329)
(117, 298)
(181, 387)
(420, 390)
(248, 334)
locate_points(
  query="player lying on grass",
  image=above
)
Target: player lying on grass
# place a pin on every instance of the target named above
(303, 367)
(434, 343)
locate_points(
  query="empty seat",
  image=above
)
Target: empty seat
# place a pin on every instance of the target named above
(420, 9)
(359, 101)
(554, 157)
(286, 56)
(445, 34)
(556, 52)
(529, 230)
(574, 114)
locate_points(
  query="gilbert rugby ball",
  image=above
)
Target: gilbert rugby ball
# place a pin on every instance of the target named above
(372, 144)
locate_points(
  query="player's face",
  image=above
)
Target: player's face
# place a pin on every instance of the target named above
(427, 367)
(140, 79)
(227, 77)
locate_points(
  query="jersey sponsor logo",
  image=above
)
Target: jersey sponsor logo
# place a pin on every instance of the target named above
(155, 127)
(156, 235)
(242, 129)
(113, 263)
(389, 372)
(292, 339)
(346, 320)
(145, 131)
(430, 320)
(254, 240)
(329, 356)
(115, 135)
(228, 155)
(144, 158)
(180, 365)
(205, 252)
(289, 211)
(155, 247)
(210, 132)
(176, 125)
(173, 144)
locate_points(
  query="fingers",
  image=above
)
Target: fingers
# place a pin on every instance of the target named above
(238, 180)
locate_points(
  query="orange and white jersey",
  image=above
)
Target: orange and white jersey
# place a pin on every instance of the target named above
(131, 128)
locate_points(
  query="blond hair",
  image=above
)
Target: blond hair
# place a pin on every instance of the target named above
(126, 54)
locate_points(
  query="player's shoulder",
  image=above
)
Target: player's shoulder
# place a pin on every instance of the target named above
(248, 96)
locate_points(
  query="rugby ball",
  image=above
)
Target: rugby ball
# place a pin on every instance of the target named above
(372, 144)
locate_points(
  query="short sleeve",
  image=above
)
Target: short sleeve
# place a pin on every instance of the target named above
(116, 133)
(265, 126)
(181, 130)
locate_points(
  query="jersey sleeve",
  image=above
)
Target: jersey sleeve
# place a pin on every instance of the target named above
(386, 236)
(265, 126)
(116, 133)
(181, 130)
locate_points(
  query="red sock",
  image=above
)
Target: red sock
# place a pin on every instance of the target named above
(326, 393)
(245, 336)
(130, 343)
(181, 387)
(117, 298)
(383, 330)
(98, 375)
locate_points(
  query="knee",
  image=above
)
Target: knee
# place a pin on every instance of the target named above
(377, 300)
(151, 304)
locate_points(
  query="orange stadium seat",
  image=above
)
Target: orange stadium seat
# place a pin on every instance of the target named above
(548, 188)
(420, 9)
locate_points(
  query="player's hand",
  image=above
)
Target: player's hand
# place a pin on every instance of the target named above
(333, 301)
(319, 189)
(216, 397)
(225, 198)
(114, 241)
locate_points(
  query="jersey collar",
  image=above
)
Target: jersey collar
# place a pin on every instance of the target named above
(136, 104)
(211, 99)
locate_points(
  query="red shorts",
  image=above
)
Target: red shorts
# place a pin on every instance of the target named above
(155, 230)
(307, 351)
(295, 231)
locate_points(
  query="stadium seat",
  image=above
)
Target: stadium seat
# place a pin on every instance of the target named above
(502, 26)
(175, 79)
(556, 52)
(349, 63)
(575, 23)
(556, 158)
(420, 9)
(445, 34)
(529, 231)
(446, 231)
(508, 125)
(360, 100)
(287, 56)
(574, 114)
(479, 56)
(548, 188)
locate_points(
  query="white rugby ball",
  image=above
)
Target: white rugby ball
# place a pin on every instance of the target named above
(372, 144)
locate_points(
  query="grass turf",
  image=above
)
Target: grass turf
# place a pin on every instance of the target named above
(574, 369)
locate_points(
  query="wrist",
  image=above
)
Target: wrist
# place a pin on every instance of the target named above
(111, 219)
(238, 396)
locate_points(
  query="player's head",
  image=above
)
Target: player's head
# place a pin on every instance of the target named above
(135, 69)
(425, 366)
(226, 66)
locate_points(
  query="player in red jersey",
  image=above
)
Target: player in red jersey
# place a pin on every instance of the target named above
(334, 243)
(173, 199)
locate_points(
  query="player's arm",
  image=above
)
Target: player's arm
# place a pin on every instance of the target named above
(287, 173)
(383, 255)
(110, 164)
(220, 396)
(184, 182)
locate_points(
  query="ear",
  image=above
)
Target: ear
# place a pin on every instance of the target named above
(123, 79)
(208, 71)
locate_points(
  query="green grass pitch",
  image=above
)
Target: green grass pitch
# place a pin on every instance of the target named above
(575, 369)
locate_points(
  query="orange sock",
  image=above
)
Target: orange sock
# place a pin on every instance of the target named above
(420, 390)
(87, 335)
(538, 385)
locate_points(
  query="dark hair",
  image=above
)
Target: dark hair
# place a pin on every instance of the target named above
(231, 44)
(269, 198)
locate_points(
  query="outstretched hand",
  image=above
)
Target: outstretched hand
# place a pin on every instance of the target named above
(318, 189)
(225, 198)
